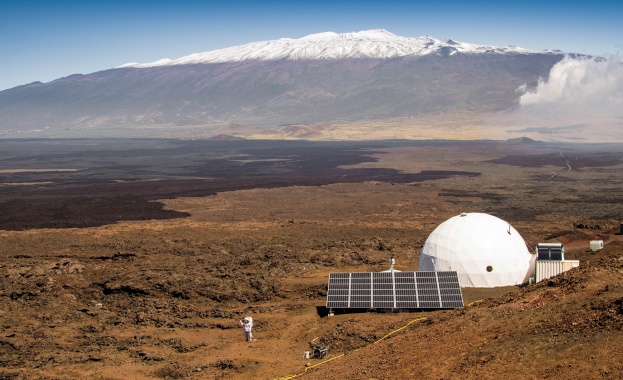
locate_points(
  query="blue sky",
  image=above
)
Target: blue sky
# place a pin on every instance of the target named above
(46, 40)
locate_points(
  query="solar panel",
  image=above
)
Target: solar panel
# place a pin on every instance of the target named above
(394, 290)
(550, 251)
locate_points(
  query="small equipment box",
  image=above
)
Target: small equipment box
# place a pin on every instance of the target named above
(320, 352)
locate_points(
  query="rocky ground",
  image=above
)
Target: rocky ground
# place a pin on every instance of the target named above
(161, 298)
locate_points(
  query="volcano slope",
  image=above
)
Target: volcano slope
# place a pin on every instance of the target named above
(158, 295)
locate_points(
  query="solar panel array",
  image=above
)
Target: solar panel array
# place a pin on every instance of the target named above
(394, 290)
(550, 251)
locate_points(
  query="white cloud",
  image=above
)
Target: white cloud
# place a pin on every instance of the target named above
(581, 100)
(578, 85)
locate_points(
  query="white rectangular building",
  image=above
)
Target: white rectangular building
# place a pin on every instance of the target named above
(549, 268)
(596, 245)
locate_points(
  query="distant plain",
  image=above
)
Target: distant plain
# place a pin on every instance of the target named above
(135, 258)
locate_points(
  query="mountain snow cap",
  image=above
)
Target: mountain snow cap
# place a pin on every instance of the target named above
(375, 43)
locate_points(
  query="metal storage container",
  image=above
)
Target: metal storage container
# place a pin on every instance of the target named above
(549, 268)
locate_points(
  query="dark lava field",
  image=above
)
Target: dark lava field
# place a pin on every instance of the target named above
(137, 258)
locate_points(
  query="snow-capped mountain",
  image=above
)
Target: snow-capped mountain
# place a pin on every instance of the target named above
(322, 78)
(377, 43)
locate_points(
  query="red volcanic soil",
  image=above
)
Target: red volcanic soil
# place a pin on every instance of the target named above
(159, 295)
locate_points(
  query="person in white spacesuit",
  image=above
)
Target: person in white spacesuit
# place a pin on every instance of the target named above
(247, 324)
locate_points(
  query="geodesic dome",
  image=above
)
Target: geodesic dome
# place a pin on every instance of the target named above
(485, 251)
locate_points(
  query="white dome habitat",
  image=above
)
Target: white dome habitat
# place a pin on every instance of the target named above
(484, 250)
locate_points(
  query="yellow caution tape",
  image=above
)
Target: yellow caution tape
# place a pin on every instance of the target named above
(326, 361)
(288, 377)
(471, 303)
(403, 327)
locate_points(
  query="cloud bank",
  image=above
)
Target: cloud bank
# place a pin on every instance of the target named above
(579, 86)
(581, 100)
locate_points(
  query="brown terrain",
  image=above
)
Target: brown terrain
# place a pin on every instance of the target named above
(136, 259)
